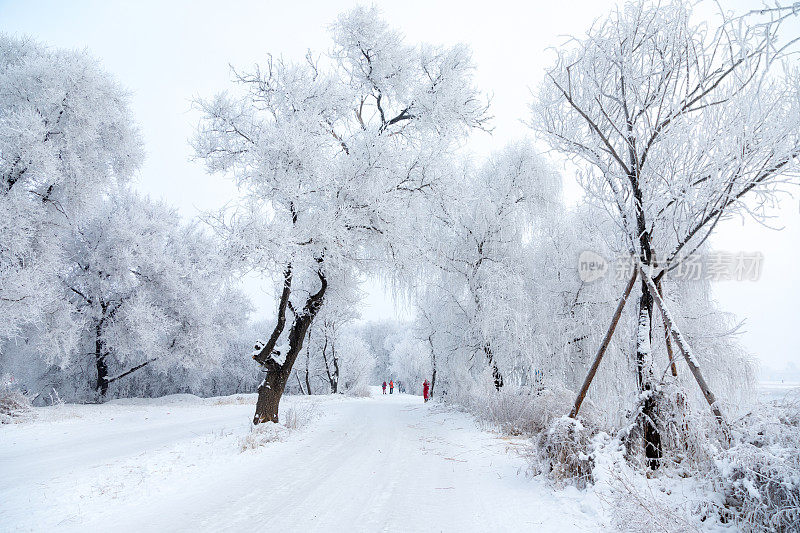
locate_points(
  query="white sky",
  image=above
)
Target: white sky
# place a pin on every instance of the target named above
(168, 54)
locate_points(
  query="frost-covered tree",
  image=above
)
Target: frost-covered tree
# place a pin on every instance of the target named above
(674, 125)
(341, 309)
(411, 362)
(356, 364)
(473, 237)
(221, 375)
(66, 139)
(380, 336)
(146, 290)
(322, 359)
(335, 357)
(329, 155)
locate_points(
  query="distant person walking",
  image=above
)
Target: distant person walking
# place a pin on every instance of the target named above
(391, 387)
(426, 390)
(384, 387)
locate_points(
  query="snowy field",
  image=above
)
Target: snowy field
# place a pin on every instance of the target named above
(779, 390)
(386, 463)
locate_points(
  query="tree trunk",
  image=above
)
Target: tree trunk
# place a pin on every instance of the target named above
(308, 360)
(496, 375)
(335, 360)
(101, 386)
(684, 348)
(433, 364)
(335, 373)
(269, 396)
(308, 381)
(333, 377)
(433, 374)
(271, 389)
(652, 436)
(644, 330)
(102, 375)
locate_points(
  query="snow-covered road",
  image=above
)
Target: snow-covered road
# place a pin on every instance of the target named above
(387, 463)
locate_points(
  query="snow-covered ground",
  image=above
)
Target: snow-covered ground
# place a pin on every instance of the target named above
(386, 463)
(778, 390)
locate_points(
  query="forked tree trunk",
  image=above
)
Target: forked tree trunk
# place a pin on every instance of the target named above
(333, 376)
(277, 374)
(271, 389)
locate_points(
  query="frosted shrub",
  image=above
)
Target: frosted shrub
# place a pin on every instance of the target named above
(760, 474)
(644, 505)
(523, 411)
(263, 434)
(14, 406)
(360, 390)
(292, 419)
(761, 489)
(564, 453)
(690, 438)
(512, 412)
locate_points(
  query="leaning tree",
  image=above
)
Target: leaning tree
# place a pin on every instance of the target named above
(329, 155)
(675, 126)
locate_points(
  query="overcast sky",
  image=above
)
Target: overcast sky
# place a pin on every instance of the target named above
(168, 54)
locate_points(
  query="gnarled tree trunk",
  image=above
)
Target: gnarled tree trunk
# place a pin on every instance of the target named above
(277, 374)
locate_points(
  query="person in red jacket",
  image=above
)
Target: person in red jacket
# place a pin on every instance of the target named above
(391, 387)
(425, 390)
(384, 387)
